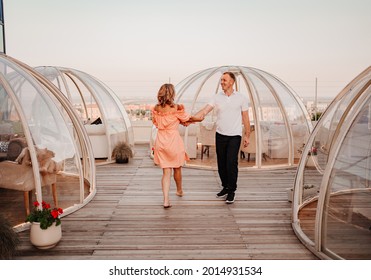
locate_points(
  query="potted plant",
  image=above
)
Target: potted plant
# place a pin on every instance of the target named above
(311, 152)
(122, 152)
(8, 240)
(312, 155)
(46, 229)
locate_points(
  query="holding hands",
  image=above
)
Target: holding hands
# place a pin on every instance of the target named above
(192, 120)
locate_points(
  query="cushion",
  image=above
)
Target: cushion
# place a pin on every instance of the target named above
(4, 146)
(98, 129)
(15, 147)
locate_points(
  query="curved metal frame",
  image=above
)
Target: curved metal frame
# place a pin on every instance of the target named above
(255, 103)
(86, 148)
(356, 104)
(81, 77)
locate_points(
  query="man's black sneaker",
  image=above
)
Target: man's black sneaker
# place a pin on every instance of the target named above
(230, 198)
(222, 193)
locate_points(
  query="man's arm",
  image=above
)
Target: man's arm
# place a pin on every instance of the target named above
(246, 123)
(199, 116)
(204, 111)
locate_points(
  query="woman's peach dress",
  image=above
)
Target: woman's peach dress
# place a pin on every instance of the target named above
(169, 149)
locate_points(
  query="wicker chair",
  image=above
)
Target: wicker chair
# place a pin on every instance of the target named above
(207, 137)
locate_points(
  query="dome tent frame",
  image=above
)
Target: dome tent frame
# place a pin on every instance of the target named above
(51, 95)
(110, 107)
(354, 97)
(276, 92)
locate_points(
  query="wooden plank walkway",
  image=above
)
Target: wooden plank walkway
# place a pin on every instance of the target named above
(126, 220)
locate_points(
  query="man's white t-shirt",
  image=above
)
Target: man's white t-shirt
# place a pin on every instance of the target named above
(228, 112)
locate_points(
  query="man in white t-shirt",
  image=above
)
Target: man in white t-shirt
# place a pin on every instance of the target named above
(232, 111)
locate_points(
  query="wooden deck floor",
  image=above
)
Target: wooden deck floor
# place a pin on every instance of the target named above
(126, 220)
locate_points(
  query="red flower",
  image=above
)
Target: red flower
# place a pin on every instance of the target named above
(45, 216)
(46, 206)
(55, 213)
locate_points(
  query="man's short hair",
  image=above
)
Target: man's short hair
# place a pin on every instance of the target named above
(230, 75)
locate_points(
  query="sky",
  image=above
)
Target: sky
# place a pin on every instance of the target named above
(136, 46)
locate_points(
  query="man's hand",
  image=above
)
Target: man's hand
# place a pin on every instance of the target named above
(246, 141)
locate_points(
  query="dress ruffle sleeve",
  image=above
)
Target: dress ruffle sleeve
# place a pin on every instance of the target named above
(181, 114)
(154, 119)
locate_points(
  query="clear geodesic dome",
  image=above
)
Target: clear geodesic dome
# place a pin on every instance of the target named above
(45, 153)
(103, 114)
(332, 194)
(279, 121)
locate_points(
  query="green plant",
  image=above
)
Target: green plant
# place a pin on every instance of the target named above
(122, 151)
(45, 216)
(316, 116)
(9, 240)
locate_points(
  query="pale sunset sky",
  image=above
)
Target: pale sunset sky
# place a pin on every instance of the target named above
(135, 46)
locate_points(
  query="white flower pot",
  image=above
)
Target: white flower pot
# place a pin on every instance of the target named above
(45, 238)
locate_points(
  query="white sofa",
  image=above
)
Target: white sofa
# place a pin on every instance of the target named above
(98, 139)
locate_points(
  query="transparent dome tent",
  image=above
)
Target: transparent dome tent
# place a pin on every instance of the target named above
(104, 116)
(45, 151)
(332, 194)
(280, 123)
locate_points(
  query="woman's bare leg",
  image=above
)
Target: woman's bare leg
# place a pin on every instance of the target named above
(166, 176)
(178, 181)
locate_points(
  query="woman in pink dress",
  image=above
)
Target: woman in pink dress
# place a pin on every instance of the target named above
(169, 151)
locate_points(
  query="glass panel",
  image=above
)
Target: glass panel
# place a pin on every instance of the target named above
(309, 188)
(98, 107)
(316, 161)
(1, 12)
(271, 123)
(348, 211)
(199, 92)
(340, 106)
(113, 114)
(294, 113)
(272, 134)
(195, 94)
(51, 135)
(14, 178)
(2, 43)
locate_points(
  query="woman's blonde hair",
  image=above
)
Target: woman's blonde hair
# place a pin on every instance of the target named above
(166, 95)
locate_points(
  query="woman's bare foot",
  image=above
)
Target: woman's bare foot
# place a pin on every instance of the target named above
(179, 193)
(167, 204)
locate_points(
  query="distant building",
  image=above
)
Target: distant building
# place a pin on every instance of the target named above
(322, 105)
(139, 109)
